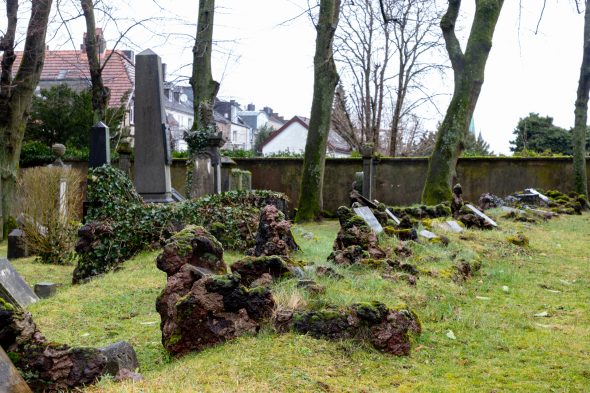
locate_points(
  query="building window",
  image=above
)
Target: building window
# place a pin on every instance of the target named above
(234, 137)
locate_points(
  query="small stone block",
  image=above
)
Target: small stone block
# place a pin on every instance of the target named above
(45, 289)
(120, 355)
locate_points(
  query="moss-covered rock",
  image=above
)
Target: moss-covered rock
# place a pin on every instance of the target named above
(252, 268)
(519, 239)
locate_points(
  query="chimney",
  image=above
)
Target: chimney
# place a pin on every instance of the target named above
(251, 107)
(267, 110)
(101, 43)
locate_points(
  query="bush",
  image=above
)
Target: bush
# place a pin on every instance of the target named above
(239, 153)
(35, 153)
(124, 225)
(50, 222)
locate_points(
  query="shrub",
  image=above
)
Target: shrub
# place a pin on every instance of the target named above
(124, 225)
(50, 222)
(34, 153)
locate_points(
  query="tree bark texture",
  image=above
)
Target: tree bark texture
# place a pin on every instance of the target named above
(204, 87)
(16, 93)
(581, 113)
(100, 93)
(325, 81)
(468, 69)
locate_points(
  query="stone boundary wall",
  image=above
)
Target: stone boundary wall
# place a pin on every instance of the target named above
(399, 180)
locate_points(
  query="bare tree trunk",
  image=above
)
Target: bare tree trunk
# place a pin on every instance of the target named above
(469, 77)
(16, 93)
(100, 93)
(204, 87)
(325, 81)
(581, 113)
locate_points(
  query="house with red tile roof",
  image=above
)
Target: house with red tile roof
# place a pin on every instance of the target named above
(71, 67)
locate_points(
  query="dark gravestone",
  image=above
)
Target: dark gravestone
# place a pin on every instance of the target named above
(45, 289)
(100, 149)
(152, 150)
(10, 379)
(13, 288)
(17, 248)
(369, 218)
(120, 355)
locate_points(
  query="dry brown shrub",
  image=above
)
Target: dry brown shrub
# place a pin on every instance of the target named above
(49, 223)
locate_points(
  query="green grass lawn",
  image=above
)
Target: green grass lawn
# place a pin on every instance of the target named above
(499, 346)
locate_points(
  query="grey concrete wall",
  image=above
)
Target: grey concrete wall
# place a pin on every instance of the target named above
(399, 180)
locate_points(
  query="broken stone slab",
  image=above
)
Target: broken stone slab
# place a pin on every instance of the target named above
(450, 226)
(366, 214)
(45, 290)
(13, 288)
(120, 356)
(481, 215)
(10, 379)
(544, 214)
(508, 209)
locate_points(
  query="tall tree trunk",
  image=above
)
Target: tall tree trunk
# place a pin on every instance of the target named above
(204, 87)
(100, 93)
(16, 93)
(581, 113)
(325, 81)
(468, 70)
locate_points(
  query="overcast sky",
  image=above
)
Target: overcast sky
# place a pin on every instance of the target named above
(262, 60)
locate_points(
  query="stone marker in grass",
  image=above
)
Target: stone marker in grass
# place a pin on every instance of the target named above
(13, 288)
(366, 214)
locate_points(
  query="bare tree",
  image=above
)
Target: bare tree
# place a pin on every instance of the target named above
(342, 121)
(325, 81)
(16, 91)
(414, 38)
(581, 112)
(363, 48)
(468, 69)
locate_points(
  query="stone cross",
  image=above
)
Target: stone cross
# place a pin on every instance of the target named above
(100, 149)
(152, 143)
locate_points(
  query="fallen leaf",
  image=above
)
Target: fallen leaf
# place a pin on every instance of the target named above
(451, 335)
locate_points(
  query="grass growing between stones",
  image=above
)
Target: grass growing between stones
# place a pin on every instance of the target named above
(499, 344)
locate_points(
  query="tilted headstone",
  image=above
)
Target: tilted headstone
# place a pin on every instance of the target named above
(17, 247)
(152, 147)
(366, 214)
(100, 149)
(480, 214)
(428, 235)
(13, 288)
(10, 379)
(533, 191)
(451, 226)
(392, 216)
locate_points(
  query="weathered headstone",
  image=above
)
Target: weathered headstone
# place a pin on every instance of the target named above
(10, 379)
(17, 247)
(13, 288)
(152, 147)
(451, 226)
(45, 289)
(236, 179)
(428, 235)
(100, 149)
(366, 214)
(541, 196)
(392, 216)
(480, 214)
(206, 176)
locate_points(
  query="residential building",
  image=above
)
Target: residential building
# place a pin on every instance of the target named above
(178, 104)
(239, 134)
(70, 67)
(292, 137)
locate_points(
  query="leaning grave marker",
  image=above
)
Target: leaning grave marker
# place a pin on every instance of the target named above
(480, 214)
(13, 288)
(366, 214)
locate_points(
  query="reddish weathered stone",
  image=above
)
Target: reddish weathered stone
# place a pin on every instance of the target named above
(274, 235)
